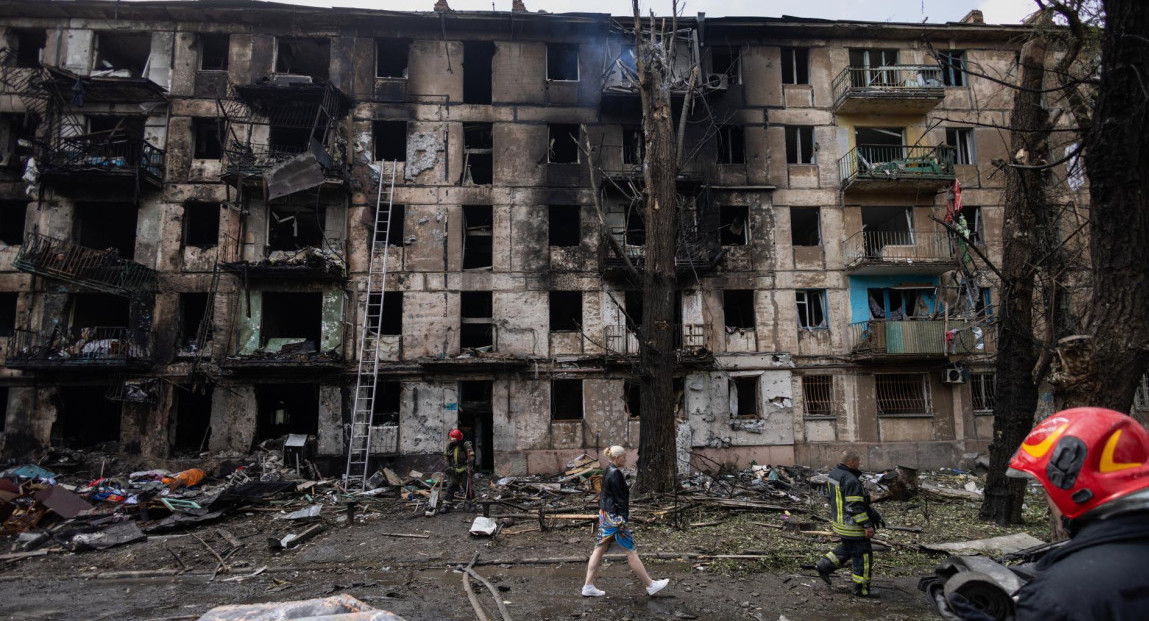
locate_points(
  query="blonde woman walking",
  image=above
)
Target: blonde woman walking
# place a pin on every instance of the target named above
(613, 514)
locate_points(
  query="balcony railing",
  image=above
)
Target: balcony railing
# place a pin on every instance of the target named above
(100, 270)
(892, 82)
(886, 163)
(920, 338)
(874, 251)
(326, 260)
(622, 341)
(99, 346)
(106, 154)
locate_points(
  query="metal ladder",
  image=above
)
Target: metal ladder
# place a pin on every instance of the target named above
(359, 444)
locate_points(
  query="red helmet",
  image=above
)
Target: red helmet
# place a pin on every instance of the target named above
(1085, 457)
(455, 435)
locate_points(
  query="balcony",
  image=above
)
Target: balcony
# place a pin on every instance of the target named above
(880, 339)
(98, 270)
(689, 341)
(120, 348)
(104, 160)
(324, 262)
(896, 89)
(897, 167)
(871, 253)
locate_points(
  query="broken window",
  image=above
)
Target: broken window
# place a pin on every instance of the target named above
(192, 420)
(902, 394)
(953, 67)
(284, 140)
(562, 62)
(476, 322)
(563, 144)
(292, 321)
(12, 217)
(395, 228)
(214, 50)
(27, 43)
(391, 58)
(635, 232)
(799, 144)
(207, 136)
(17, 135)
(122, 54)
(99, 310)
(886, 226)
(738, 305)
(805, 228)
(292, 225)
(478, 237)
(632, 395)
(983, 387)
(795, 65)
(107, 226)
(84, 418)
(866, 62)
(731, 145)
(477, 56)
(566, 311)
(201, 224)
(970, 218)
(633, 145)
(961, 139)
(116, 127)
(633, 310)
(811, 308)
(734, 225)
(390, 138)
(879, 144)
(390, 317)
(566, 399)
(818, 395)
(385, 408)
(901, 303)
(564, 227)
(727, 61)
(304, 56)
(192, 309)
(744, 397)
(478, 150)
(8, 301)
(286, 408)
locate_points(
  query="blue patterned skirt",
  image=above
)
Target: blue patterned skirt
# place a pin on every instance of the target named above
(612, 527)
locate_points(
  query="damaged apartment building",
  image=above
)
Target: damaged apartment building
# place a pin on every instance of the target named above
(222, 223)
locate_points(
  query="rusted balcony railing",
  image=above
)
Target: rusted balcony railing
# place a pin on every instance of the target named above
(897, 162)
(80, 347)
(106, 153)
(889, 81)
(896, 248)
(100, 270)
(926, 337)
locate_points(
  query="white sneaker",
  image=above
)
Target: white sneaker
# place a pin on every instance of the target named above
(590, 591)
(657, 585)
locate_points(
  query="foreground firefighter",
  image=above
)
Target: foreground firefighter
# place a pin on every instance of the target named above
(613, 514)
(854, 520)
(459, 458)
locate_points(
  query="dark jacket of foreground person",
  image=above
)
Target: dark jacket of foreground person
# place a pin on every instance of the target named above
(615, 495)
(849, 503)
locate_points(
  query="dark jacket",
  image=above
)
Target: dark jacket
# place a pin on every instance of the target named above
(457, 456)
(615, 496)
(1099, 575)
(849, 503)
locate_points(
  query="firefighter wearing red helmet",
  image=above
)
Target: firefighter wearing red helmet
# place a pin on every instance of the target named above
(1094, 466)
(459, 457)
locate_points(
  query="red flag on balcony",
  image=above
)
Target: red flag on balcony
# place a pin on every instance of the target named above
(953, 208)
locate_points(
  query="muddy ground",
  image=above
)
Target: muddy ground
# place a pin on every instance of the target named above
(414, 577)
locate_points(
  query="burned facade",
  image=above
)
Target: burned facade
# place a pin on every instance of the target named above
(218, 231)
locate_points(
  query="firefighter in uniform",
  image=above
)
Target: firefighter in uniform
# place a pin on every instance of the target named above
(854, 521)
(459, 457)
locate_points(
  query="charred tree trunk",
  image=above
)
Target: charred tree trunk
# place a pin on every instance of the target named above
(657, 470)
(1026, 218)
(1104, 369)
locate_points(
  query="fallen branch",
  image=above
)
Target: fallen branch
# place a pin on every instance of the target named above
(222, 564)
(410, 535)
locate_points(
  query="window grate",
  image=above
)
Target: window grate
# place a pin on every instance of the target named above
(902, 394)
(983, 386)
(818, 395)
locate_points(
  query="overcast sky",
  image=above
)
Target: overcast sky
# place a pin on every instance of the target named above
(996, 11)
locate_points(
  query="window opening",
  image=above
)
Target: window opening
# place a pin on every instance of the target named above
(304, 56)
(635, 231)
(566, 311)
(632, 398)
(975, 227)
(391, 58)
(208, 138)
(107, 226)
(799, 144)
(99, 310)
(795, 65)
(396, 228)
(563, 146)
(566, 399)
(901, 303)
(886, 226)
(17, 135)
(902, 394)
(738, 305)
(293, 225)
(122, 54)
(475, 316)
(192, 308)
(633, 145)
(192, 420)
(292, 319)
(805, 226)
(953, 67)
(477, 56)
(811, 308)
(8, 303)
(879, 144)
(983, 387)
(85, 418)
(562, 62)
(727, 61)
(478, 237)
(744, 397)
(633, 315)
(13, 215)
(478, 154)
(391, 318)
(869, 61)
(818, 395)
(390, 139)
(29, 44)
(731, 145)
(564, 226)
(961, 139)
(385, 409)
(734, 225)
(286, 408)
(214, 51)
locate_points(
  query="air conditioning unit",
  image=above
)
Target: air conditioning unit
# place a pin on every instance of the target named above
(718, 81)
(955, 375)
